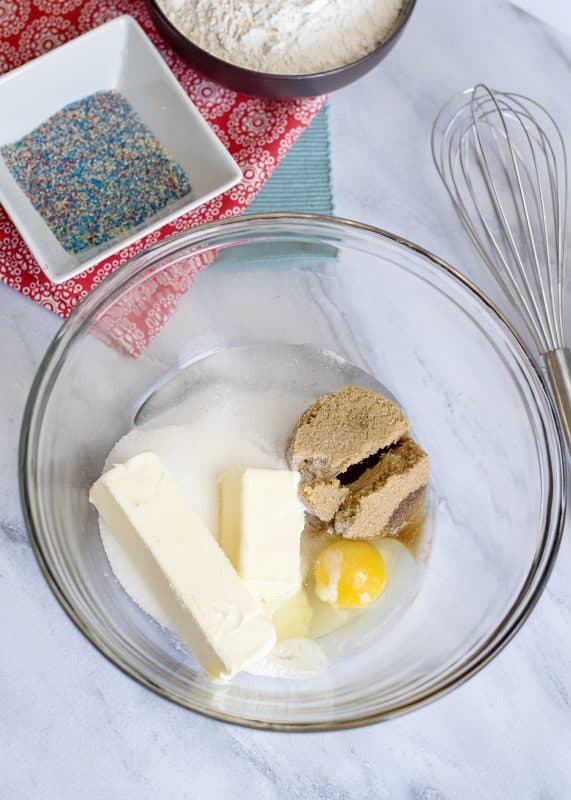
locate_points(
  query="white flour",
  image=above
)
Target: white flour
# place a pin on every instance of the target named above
(287, 37)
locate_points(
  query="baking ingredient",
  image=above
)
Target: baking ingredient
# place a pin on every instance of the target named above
(293, 658)
(236, 409)
(293, 619)
(335, 438)
(214, 429)
(386, 495)
(224, 627)
(342, 429)
(94, 170)
(361, 472)
(287, 37)
(349, 574)
(205, 435)
(261, 522)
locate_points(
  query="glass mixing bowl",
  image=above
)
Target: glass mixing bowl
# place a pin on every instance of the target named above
(476, 401)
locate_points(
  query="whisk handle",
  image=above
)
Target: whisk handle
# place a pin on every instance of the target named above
(558, 363)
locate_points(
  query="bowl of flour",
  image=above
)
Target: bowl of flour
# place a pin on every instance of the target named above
(282, 48)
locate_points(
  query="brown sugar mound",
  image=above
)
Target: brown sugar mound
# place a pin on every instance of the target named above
(361, 475)
(342, 429)
(384, 496)
(323, 497)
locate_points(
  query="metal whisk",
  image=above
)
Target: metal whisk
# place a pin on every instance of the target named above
(502, 159)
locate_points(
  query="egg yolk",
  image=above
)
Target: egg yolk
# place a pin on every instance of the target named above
(349, 574)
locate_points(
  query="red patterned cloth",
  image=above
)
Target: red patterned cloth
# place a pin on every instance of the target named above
(257, 132)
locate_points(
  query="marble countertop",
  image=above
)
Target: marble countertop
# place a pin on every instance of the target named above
(73, 726)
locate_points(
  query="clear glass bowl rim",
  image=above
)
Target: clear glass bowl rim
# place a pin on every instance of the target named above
(539, 571)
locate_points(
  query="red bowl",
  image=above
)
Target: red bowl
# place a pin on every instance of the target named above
(265, 84)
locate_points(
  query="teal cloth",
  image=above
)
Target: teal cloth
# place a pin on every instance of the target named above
(302, 181)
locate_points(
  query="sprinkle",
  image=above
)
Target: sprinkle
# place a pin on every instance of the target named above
(95, 171)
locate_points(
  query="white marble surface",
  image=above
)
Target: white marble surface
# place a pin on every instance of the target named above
(71, 725)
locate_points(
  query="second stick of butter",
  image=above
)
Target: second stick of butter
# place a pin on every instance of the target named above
(261, 522)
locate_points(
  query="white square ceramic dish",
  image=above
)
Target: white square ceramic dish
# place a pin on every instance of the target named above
(117, 55)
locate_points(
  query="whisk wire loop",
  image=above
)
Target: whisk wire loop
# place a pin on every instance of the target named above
(502, 159)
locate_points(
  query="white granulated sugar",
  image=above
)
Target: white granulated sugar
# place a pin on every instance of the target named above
(285, 37)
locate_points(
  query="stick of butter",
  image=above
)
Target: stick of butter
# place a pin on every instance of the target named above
(261, 522)
(223, 625)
